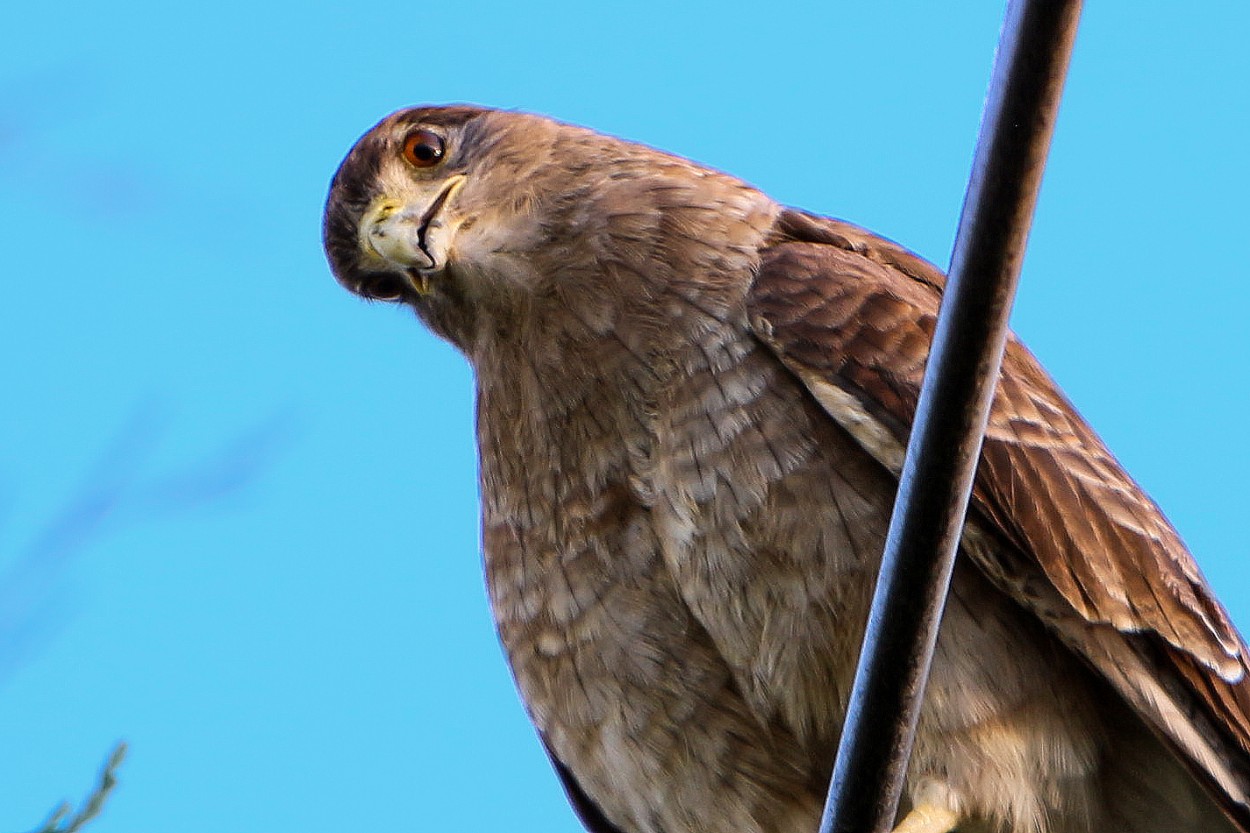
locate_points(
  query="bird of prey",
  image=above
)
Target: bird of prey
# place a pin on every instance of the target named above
(692, 405)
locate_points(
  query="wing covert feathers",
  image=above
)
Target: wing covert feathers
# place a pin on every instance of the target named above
(852, 315)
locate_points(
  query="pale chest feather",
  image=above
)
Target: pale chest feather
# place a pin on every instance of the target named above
(614, 525)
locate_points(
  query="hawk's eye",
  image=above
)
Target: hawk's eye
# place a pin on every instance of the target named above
(423, 148)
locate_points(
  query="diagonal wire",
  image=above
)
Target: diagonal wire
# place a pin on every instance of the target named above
(946, 437)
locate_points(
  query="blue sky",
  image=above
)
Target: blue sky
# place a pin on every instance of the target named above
(237, 505)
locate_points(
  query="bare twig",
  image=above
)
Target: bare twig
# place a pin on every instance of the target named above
(94, 803)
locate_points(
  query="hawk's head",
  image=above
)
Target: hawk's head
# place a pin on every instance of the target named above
(470, 214)
(428, 193)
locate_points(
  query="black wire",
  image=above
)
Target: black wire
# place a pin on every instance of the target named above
(951, 415)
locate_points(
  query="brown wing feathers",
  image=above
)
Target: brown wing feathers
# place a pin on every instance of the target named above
(844, 308)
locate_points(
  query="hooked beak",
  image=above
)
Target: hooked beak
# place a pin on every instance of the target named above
(395, 233)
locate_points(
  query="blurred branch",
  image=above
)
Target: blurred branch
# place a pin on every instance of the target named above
(37, 107)
(94, 803)
(28, 587)
(114, 488)
(237, 463)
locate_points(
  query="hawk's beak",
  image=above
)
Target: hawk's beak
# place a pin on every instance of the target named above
(397, 232)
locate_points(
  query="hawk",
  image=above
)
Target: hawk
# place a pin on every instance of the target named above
(692, 405)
